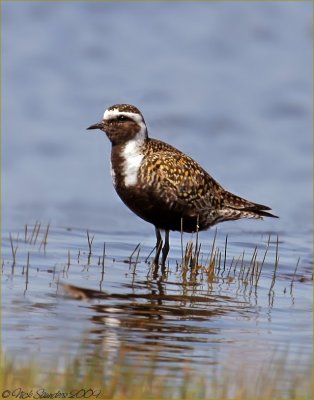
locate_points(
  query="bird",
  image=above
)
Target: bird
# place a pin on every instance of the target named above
(164, 186)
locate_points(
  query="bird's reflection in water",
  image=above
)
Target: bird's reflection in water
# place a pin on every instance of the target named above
(148, 319)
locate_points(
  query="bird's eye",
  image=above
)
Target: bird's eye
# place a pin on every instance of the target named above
(122, 118)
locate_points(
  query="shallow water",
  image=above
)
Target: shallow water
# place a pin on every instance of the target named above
(181, 316)
(235, 75)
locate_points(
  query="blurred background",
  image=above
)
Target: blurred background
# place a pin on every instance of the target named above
(228, 83)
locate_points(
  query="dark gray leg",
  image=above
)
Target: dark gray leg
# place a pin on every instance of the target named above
(165, 249)
(158, 246)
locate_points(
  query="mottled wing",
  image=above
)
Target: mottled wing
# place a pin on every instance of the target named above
(178, 181)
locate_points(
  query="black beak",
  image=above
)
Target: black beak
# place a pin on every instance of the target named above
(99, 125)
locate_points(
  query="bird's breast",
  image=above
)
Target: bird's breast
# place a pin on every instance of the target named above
(126, 161)
(132, 160)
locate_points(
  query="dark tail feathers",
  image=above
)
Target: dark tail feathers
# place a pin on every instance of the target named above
(237, 203)
(259, 209)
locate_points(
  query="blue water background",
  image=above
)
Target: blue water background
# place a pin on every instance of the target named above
(228, 83)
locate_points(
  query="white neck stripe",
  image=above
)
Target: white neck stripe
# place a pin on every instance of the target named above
(133, 156)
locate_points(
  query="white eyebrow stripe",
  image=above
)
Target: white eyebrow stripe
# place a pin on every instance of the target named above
(114, 113)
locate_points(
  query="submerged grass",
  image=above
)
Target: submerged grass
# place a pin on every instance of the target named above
(217, 264)
(194, 266)
(101, 377)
